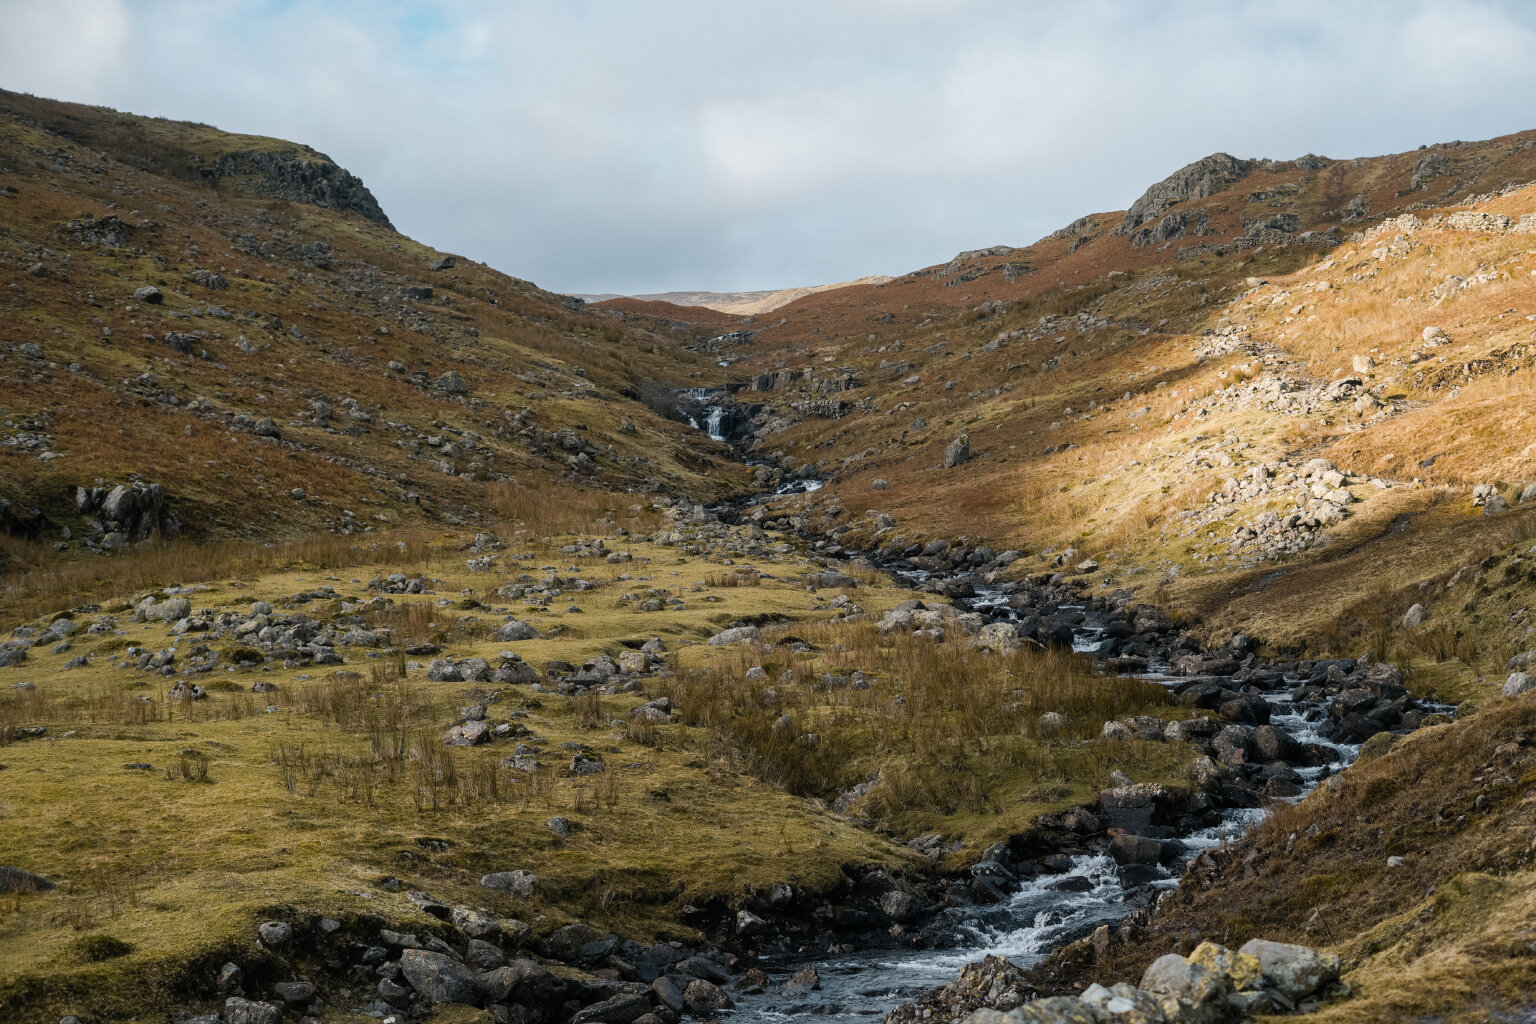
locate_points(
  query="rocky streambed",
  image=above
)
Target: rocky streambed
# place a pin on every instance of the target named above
(1260, 729)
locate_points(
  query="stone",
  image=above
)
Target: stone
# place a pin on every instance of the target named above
(248, 1011)
(748, 923)
(294, 992)
(704, 997)
(802, 983)
(878, 484)
(17, 880)
(624, 1008)
(518, 883)
(440, 978)
(1128, 849)
(467, 734)
(275, 934)
(1242, 970)
(149, 294)
(957, 451)
(1415, 616)
(1294, 971)
(514, 630)
(1494, 503)
(1200, 991)
(737, 635)
(451, 383)
(1518, 683)
(473, 923)
(1364, 364)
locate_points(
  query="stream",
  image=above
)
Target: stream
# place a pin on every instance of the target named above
(1041, 913)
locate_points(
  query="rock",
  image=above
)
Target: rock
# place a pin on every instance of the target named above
(900, 906)
(1494, 503)
(1364, 364)
(1200, 991)
(1051, 724)
(150, 294)
(1115, 732)
(878, 484)
(624, 1008)
(1294, 971)
(474, 924)
(514, 630)
(1128, 849)
(704, 997)
(246, 1011)
(485, 955)
(451, 383)
(738, 635)
(293, 992)
(275, 934)
(957, 451)
(748, 923)
(467, 734)
(1242, 970)
(1518, 683)
(1414, 617)
(802, 983)
(440, 978)
(17, 880)
(518, 883)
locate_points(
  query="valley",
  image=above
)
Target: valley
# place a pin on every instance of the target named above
(385, 637)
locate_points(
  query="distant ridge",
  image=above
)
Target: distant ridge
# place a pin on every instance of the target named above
(739, 303)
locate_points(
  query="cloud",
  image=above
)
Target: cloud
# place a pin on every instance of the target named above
(595, 145)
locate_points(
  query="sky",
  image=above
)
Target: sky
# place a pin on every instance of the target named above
(638, 146)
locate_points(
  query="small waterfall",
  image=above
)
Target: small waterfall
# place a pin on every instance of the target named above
(712, 424)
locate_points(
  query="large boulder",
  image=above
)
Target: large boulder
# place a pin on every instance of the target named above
(957, 451)
(440, 978)
(1294, 971)
(1201, 992)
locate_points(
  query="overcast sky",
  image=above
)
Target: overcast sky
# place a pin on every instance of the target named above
(650, 145)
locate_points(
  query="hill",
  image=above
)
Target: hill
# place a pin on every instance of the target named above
(232, 322)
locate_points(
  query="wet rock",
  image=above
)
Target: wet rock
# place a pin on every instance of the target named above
(246, 1011)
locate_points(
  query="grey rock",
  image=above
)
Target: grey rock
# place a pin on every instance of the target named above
(275, 934)
(17, 880)
(247, 1011)
(518, 883)
(1294, 971)
(451, 383)
(509, 632)
(150, 294)
(1518, 683)
(740, 634)
(704, 997)
(957, 451)
(440, 978)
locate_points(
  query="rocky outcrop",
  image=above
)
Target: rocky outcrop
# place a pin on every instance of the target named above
(127, 513)
(318, 181)
(1204, 177)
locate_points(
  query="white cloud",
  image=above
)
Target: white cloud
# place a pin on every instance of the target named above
(612, 146)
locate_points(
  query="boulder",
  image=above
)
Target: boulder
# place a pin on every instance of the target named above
(957, 451)
(518, 883)
(623, 1008)
(248, 1011)
(439, 978)
(1414, 617)
(1200, 991)
(738, 635)
(17, 880)
(514, 630)
(467, 734)
(1518, 683)
(1294, 971)
(704, 997)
